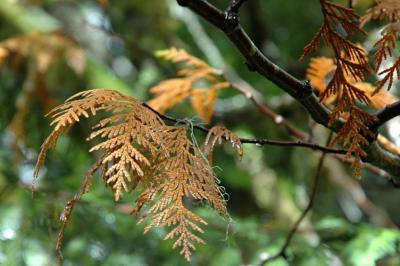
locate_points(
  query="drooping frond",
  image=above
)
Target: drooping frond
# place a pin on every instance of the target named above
(350, 59)
(386, 10)
(217, 134)
(354, 134)
(350, 68)
(320, 71)
(383, 9)
(389, 74)
(170, 92)
(45, 48)
(185, 173)
(140, 152)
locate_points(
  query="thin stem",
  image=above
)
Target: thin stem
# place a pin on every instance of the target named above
(295, 227)
(284, 143)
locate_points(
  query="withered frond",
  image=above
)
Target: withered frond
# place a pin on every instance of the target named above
(383, 9)
(183, 174)
(389, 74)
(140, 152)
(45, 49)
(182, 56)
(354, 135)
(217, 134)
(351, 62)
(170, 92)
(389, 10)
(320, 72)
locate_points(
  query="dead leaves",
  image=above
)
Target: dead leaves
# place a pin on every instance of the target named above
(45, 49)
(140, 152)
(320, 71)
(197, 80)
(340, 82)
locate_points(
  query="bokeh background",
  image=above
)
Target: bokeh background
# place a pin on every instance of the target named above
(51, 49)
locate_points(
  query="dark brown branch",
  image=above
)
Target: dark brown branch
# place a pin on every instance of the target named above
(295, 227)
(301, 91)
(284, 143)
(235, 5)
(259, 102)
(387, 113)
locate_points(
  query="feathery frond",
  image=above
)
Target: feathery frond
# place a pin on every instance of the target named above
(140, 152)
(216, 135)
(386, 45)
(170, 92)
(354, 134)
(351, 67)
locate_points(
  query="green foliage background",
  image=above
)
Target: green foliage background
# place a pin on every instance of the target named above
(267, 189)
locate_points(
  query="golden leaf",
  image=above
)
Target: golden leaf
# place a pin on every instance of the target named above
(216, 135)
(138, 148)
(170, 92)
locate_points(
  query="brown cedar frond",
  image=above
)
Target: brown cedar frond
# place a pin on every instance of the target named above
(45, 48)
(141, 153)
(389, 75)
(185, 173)
(181, 56)
(170, 92)
(354, 134)
(351, 67)
(351, 59)
(390, 10)
(216, 135)
(320, 71)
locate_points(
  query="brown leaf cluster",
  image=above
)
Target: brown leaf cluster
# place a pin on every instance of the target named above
(320, 71)
(217, 134)
(386, 10)
(196, 80)
(141, 153)
(45, 49)
(349, 68)
(37, 52)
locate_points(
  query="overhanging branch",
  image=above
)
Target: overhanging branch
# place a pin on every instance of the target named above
(301, 91)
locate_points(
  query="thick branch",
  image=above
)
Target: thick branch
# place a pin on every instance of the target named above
(301, 91)
(387, 113)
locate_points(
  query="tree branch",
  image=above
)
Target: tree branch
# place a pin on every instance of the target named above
(301, 91)
(387, 113)
(284, 143)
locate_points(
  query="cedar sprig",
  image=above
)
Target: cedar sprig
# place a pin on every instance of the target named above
(141, 153)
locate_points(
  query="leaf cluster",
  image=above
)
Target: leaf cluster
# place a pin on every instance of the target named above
(141, 153)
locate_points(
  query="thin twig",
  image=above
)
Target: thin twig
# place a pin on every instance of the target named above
(66, 214)
(294, 131)
(293, 230)
(284, 143)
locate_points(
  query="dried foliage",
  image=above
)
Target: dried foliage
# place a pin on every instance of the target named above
(44, 49)
(320, 71)
(354, 134)
(140, 152)
(216, 135)
(350, 67)
(386, 45)
(197, 80)
(38, 52)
